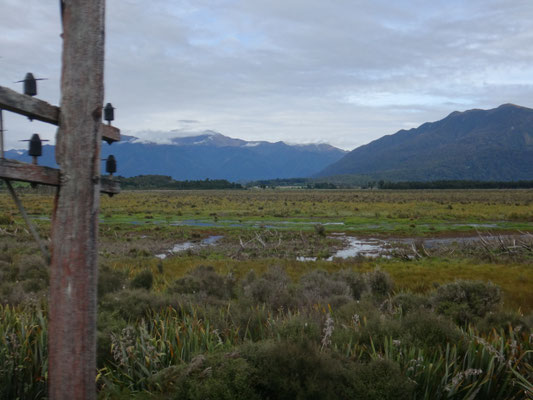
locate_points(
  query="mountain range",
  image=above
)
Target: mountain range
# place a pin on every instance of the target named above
(485, 145)
(209, 155)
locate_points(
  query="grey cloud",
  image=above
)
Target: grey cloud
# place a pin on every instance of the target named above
(344, 72)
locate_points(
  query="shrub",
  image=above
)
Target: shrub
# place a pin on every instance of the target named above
(225, 378)
(109, 280)
(382, 380)
(320, 230)
(503, 320)
(283, 370)
(318, 287)
(6, 219)
(24, 282)
(133, 304)
(108, 323)
(204, 281)
(299, 328)
(410, 302)
(466, 301)
(143, 280)
(379, 283)
(8, 272)
(425, 329)
(355, 281)
(377, 328)
(300, 371)
(272, 288)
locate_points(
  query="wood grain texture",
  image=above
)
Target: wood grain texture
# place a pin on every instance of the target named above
(20, 171)
(40, 110)
(29, 106)
(73, 273)
(110, 134)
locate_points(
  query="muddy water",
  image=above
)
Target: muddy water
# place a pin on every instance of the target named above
(361, 247)
(249, 224)
(211, 240)
(353, 246)
(372, 247)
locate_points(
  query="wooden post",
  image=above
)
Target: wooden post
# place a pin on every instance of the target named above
(73, 274)
(1, 134)
(32, 228)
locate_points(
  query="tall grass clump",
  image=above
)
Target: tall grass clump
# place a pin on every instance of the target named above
(23, 353)
(339, 335)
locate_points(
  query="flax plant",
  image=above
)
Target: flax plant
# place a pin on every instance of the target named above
(23, 353)
(498, 366)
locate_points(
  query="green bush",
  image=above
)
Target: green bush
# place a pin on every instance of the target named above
(225, 378)
(8, 272)
(377, 328)
(355, 281)
(143, 280)
(133, 304)
(285, 370)
(425, 329)
(272, 289)
(204, 281)
(319, 287)
(6, 219)
(410, 302)
(299, 328)
(379, 283)
(108, 323)
(109, 280)
(503, 320)
(466, 301)
(320, 230)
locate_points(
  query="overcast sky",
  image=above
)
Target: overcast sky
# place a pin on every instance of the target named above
(344, 72)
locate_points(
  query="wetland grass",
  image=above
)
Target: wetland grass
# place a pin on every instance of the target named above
(243, 318)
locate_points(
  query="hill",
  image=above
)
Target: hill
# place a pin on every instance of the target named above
(484, 145)
(210, 155)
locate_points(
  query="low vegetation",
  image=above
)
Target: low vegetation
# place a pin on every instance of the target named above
(254, 316)
(328, 335)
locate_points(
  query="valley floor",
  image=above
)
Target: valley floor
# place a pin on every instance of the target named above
(202, 292)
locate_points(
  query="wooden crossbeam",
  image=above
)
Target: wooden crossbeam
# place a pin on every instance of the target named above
(19, 171)
(28, 106)
(42, 111)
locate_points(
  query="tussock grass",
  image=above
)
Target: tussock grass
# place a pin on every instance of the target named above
(238, 319)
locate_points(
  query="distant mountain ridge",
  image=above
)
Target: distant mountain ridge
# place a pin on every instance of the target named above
(485, 145)
(210, 155)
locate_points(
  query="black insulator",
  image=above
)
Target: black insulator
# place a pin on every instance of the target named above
(111, 165)
(109, 112)
(30, 85)
(36, 146)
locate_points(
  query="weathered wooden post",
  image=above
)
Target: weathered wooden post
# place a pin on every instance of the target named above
(73, 274)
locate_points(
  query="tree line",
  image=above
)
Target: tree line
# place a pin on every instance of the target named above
(457, 184)
(166, 182)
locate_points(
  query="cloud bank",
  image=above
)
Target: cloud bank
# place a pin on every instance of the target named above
(343, 72)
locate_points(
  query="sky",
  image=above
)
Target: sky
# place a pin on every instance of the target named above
(343, 72)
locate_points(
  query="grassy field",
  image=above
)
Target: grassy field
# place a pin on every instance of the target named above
(279, 226)
(398, 212)
(245, 272)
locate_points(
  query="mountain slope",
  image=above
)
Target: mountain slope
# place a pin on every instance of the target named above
(492, 144)
(210, 155)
